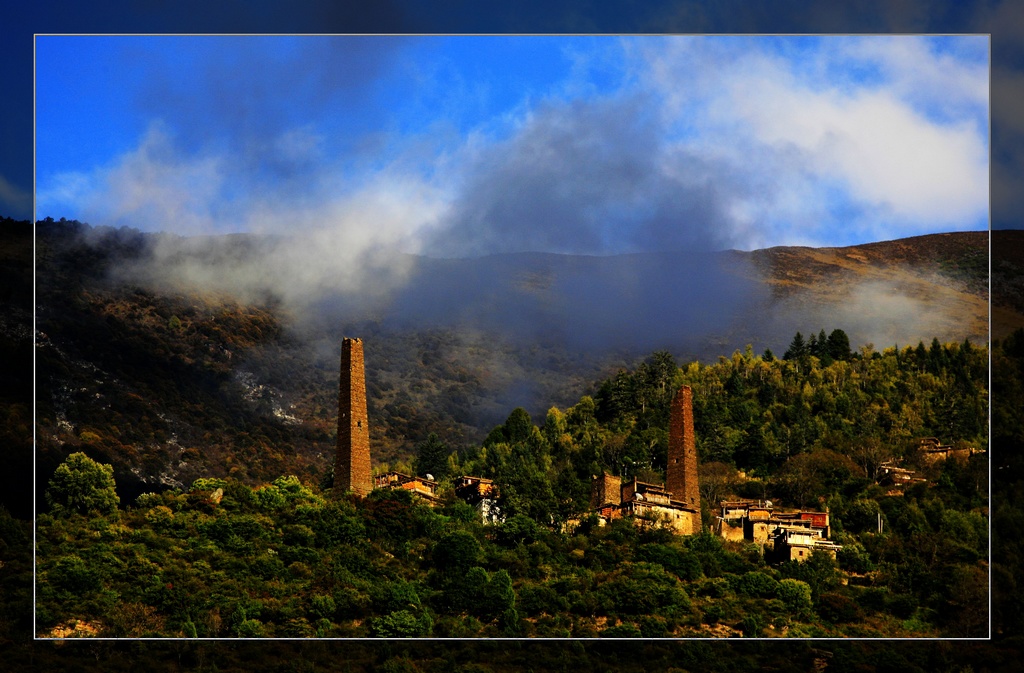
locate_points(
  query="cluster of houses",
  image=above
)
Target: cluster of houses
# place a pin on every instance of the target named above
(932, 451)
(479, 492)
(786, 536)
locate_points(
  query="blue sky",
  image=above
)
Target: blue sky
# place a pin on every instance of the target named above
(464, 146)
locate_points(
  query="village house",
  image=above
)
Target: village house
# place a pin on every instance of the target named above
(741, 520)
(897, 478)
(612, 499)
(795, 543)
(425, 488)
(482, 494)
(932, 451)
(784, 535)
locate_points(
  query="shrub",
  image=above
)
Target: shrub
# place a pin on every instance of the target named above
(837, 608)
(322, 606)
(394, 596)
(148, 500)
(72, 574)
(752, 625)
(903, 605)
(642, 588)
(398, 665)
(873, 598)
(682, 564)
(401, 624)
(796, 595)
(270, 497)
(208, 484)
(854, 558)
(756, 584)
(653, 627)
(713, 614)
(251, 628)
(621, 631)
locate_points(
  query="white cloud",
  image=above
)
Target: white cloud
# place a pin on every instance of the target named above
(900, 142)
(956, 82)
(889, 156)
(330, 230)
(300, 145)
(151, 187)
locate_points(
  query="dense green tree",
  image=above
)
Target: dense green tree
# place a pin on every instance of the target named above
(402, 624)
(456, 552)
(838, 345)
(518, 427)
(813, 346)
(432, 457)
(80, 485)
(818, 571)
(497, 596)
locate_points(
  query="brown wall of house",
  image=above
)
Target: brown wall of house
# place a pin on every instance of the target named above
(730, 531)
(605, 489)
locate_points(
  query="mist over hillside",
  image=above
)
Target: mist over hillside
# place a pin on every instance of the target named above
(690, 302)
(181, 357)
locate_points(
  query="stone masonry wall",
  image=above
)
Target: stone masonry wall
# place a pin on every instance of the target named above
(681, 472)
(352, 458)
(605, 489)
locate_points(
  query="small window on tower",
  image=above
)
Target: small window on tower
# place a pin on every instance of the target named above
(359, 424)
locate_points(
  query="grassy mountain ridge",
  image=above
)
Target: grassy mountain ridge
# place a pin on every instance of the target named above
(887, 292)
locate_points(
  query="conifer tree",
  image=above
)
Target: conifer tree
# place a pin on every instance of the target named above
(797, 348)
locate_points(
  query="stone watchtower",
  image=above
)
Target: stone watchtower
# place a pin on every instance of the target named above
(352, 459)
(681, 472)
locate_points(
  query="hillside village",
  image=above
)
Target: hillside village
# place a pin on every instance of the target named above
(782, 535)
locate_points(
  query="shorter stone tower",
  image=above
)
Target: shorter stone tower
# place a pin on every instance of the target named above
(352, 458)
(605, 490)
(681, 472)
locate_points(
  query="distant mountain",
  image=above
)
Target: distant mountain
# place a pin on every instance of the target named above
(697, 304)
(171, 381)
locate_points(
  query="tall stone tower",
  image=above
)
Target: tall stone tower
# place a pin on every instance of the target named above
(352, 458)
(681, 473)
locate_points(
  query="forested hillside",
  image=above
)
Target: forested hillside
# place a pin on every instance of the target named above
(222, 558)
